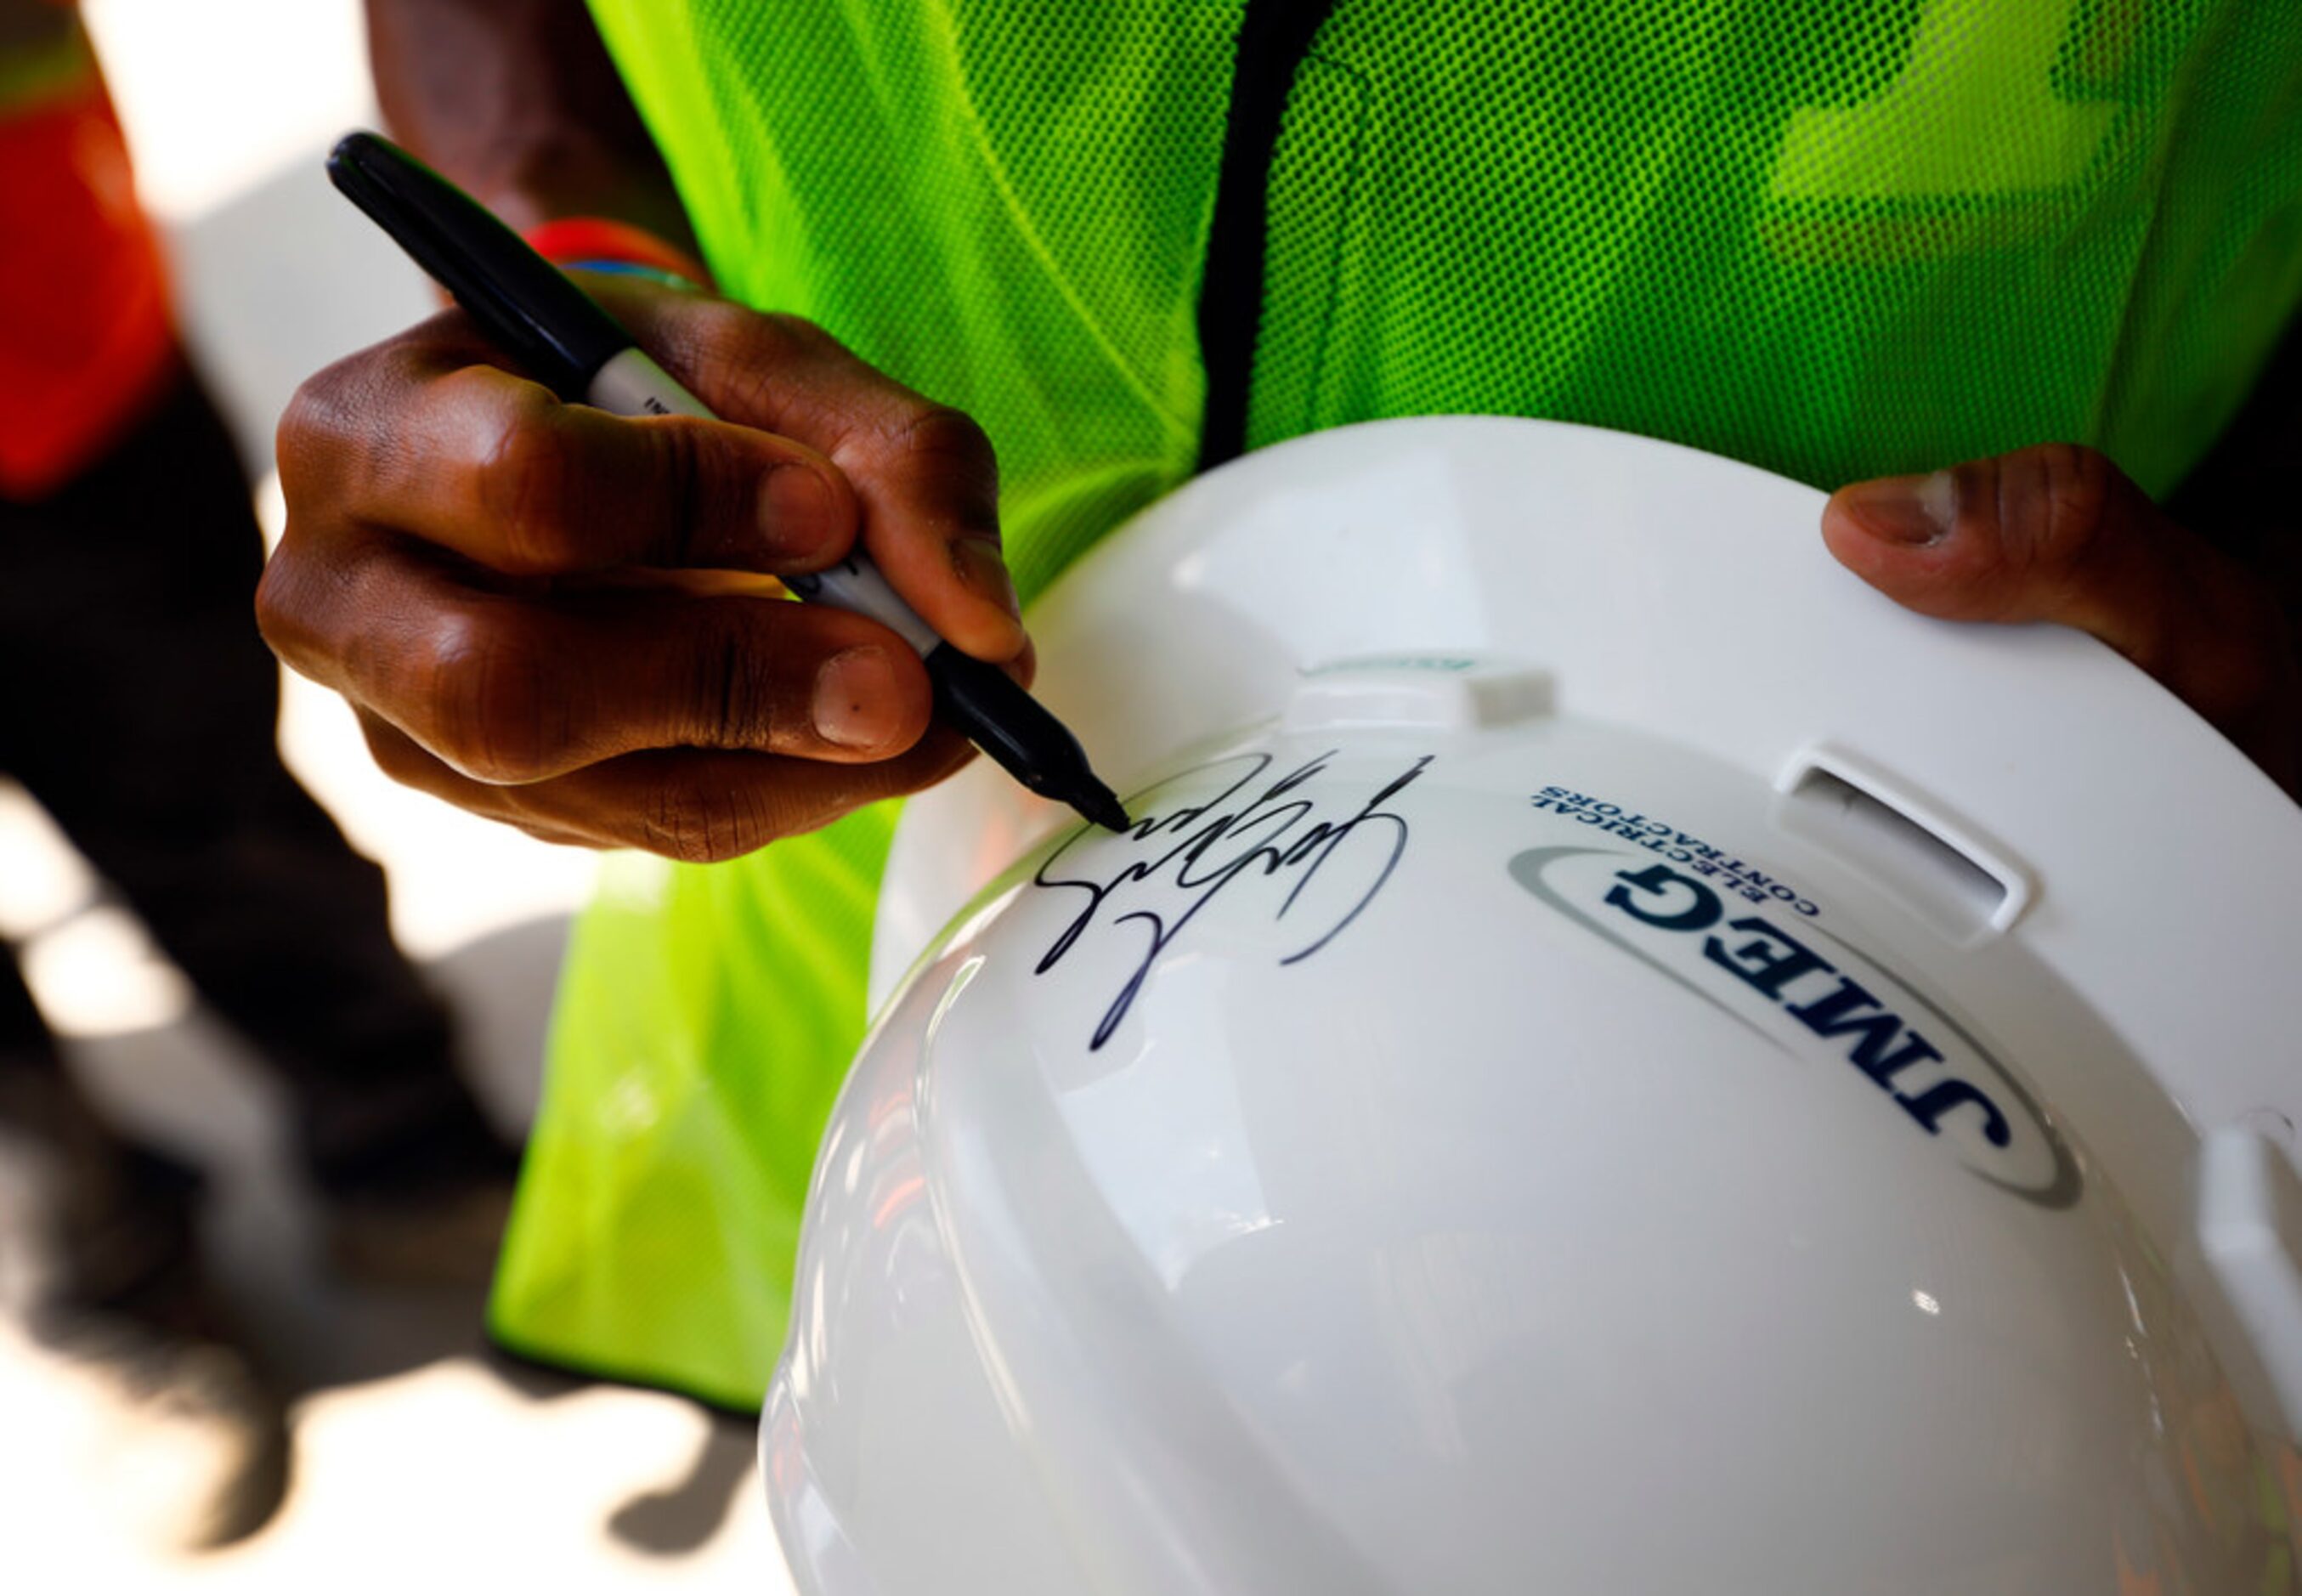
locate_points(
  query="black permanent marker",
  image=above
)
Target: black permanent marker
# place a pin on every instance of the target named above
(562, 337)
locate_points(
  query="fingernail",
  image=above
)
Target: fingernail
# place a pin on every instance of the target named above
(1916, 510)
(795, 506)
(985, 573)
(855, 699)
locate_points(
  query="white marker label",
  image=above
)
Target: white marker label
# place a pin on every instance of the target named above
(632, 384)
(855, 584)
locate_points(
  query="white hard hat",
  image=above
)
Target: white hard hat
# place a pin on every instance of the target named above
(1613, 1060)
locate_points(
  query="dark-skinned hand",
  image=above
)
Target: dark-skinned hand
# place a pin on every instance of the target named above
(529, 605)
(2059, 533)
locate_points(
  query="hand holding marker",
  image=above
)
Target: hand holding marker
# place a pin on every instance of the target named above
(562, 338)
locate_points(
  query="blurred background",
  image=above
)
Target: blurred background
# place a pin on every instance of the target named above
(418, 1456)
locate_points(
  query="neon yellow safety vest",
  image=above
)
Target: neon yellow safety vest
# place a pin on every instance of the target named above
(1833, 238)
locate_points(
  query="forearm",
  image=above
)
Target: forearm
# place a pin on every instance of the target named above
(517, 102)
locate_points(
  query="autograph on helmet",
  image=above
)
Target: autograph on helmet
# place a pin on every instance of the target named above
(1260, 830)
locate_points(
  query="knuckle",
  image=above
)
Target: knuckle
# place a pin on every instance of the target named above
(320, 426)
(394, 753)
(525, 484)
(700, 822)
(300, 613)
(2068, 494)
(945, 436)
(734, 696)
(339, 418)
(280, 617)
(939, 444)
(313, 411)
(687, 478)
(485, 700)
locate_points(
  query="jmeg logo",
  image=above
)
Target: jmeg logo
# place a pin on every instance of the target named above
(1810, 993)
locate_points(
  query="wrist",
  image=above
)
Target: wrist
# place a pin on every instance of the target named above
(600, 244)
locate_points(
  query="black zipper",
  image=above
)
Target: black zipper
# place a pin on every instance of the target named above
(1273, 37)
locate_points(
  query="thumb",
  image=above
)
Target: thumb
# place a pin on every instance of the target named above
(2057, 532)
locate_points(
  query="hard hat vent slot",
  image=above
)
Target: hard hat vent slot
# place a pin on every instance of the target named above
(1937, 864)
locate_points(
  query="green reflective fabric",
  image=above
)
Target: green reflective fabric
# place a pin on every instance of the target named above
(1833, 238)
(704, 1022)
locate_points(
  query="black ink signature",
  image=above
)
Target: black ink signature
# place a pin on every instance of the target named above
(1197, 851)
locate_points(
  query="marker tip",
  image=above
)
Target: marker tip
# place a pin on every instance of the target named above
(1101, 805)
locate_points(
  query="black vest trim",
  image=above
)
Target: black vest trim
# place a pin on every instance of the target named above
(1272, 40)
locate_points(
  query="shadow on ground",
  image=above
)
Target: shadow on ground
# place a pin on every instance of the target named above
(190, 1087)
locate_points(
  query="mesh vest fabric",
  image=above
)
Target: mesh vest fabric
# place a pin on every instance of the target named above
(1834, 238)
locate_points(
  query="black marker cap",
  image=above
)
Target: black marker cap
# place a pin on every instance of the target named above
(543, 321)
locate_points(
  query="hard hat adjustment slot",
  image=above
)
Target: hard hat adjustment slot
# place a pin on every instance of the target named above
(1937, 864)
